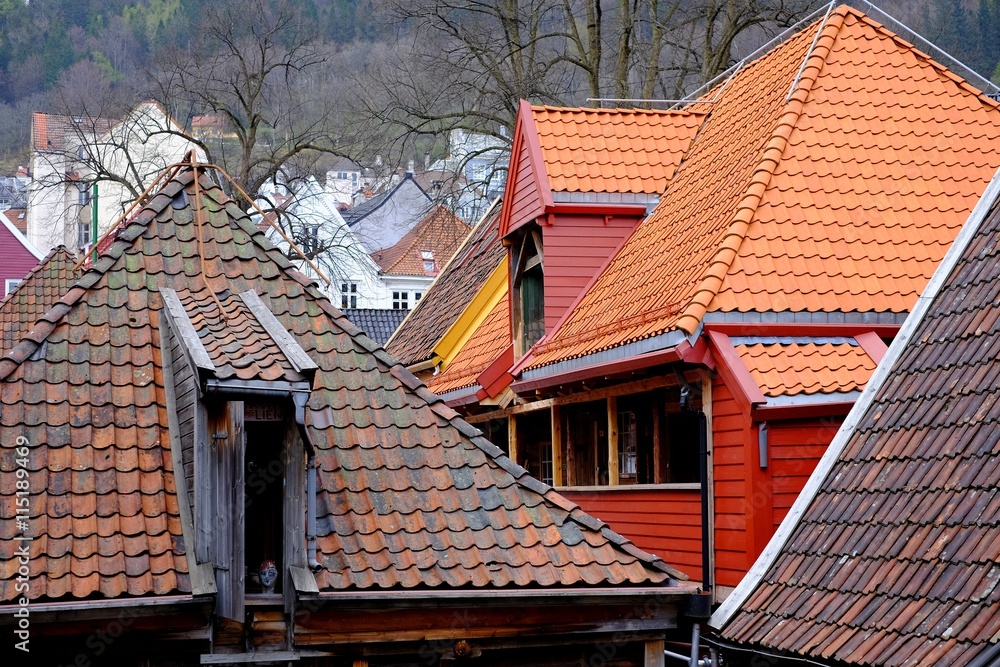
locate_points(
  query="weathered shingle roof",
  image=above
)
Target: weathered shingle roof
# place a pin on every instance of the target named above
(409, 494)
(39, 290)
(451, 292)
(828, 177)
(890, 555)
(378, 323)
(439, 233)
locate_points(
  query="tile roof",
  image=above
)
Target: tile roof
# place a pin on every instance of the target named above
(409, 494)
(613, 150)
(53, 132)
(890, 555)
(485, 344)
(462, 277)
(378, 323)
(38, 292)
(439, 233)
(800, 367)
(838, 195)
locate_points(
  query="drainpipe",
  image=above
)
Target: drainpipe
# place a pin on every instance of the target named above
(706, 581)
(93, 223)
(300, 400)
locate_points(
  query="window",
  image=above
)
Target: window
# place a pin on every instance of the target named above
(10, 285)
(83, 194)
(400, 300)
(430, 266)
(348, 295)
(627, 444)
(310, 239)
(528, 298)
(83, 235)
(264, 476)
(416, 296)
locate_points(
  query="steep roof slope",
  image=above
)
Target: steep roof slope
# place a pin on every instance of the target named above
(829, 176)
(38, 292)
(464, 274)
(409, 494)
(485, 344)
(439, 233)
(890, 556)
(378, 323)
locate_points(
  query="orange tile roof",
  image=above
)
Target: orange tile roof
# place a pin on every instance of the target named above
(613, 150)
(789, 369)
(39, 290)
(486, 342)
(840, 197)
(440, 232)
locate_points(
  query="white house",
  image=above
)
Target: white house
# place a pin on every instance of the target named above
(75, 158)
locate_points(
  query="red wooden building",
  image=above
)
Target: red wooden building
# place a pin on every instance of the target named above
(17, 256)
(801, 205)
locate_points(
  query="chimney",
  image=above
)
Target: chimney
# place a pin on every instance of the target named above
(409, 168)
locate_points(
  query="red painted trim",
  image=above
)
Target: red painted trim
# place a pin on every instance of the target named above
(496, 377)
(535, 152)
(803, 411)
(700, 355)
(466, 399)
(787, 329)
(872, 344)
(605, 210)
(734, 373)
(605, 370)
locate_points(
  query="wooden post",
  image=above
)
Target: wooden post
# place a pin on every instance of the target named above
(707, 408)
(557, 447)
(612, 440)
(655, 656)
(658, 449)
(512, 438)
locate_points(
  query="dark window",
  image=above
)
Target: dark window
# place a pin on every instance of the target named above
(528, 303)
(400, 300)
(348, 295)
(264, 477)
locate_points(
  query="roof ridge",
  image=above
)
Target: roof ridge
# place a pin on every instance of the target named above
(42, 263)
(713, 277)
(47, 323)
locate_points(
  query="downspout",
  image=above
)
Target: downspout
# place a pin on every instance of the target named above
(300, 400)
(93, 224)
(706, 582)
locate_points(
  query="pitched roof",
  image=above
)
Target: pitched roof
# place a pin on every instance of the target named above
(805, 367)
(485, 344)
(38, 292)
(890, 556)
(439, 233)
(378, 323)
(54, 132)
(409, 495)
(462, 277)
(356, 213)
(613, 150)
(829, 177)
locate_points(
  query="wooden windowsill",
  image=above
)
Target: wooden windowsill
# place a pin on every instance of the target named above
(625, 488)
(263, 599)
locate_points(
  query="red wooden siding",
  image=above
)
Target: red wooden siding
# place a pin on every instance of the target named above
(795, 447)
(15, 260)
(729, 468)
(522, 200)
(575, 248)
(665, 522)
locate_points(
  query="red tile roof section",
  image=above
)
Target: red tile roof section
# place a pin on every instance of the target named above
(486, 342)
(451, 292)
(842, 198)
(33, 297)
(440, 232)
(409, 494)
(807, 368)
(613, 150)
(895, 559)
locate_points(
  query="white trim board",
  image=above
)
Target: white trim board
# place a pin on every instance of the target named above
(770, 554)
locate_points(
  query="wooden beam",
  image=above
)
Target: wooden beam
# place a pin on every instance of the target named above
(613, 441)
(659, 451)
(580, 397)
(655, 654)
(512, 438)
(296, 356)
(557, 446)
(185, 331)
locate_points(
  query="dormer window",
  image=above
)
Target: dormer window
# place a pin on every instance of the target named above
(528, 293)
(428, 257)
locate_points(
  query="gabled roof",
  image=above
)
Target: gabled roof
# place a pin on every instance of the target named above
(482, 348)
(890, 554)
(830, 176)
(378, 323)
(613, 150)
(439, 233)
(356, 213)
(409, 495)
(454, 288)
(38, 292)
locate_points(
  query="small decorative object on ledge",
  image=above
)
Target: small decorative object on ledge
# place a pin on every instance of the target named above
(268, 575)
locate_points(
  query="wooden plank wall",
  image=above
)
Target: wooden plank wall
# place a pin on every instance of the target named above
(796, 446)
(575, 249)
(186, 399)
(665, 522)
(729, 425)
(526, 202)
